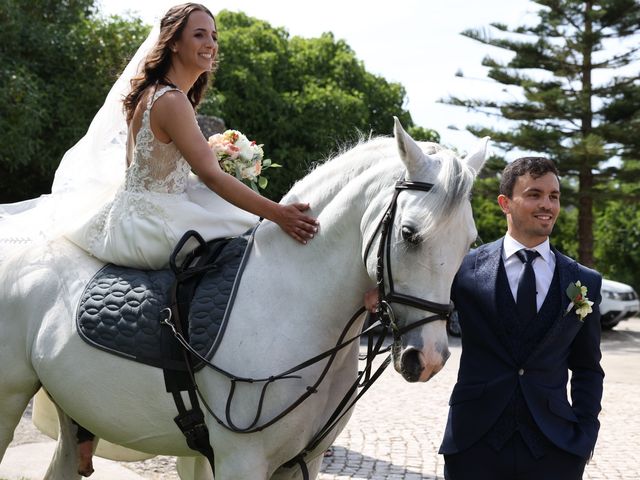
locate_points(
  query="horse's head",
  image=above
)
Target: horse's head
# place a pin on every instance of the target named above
(430, 229)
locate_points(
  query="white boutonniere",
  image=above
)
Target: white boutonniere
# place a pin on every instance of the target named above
(577, 293)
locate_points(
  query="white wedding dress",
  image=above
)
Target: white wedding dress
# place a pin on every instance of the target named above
(158, 202)
(133, 218)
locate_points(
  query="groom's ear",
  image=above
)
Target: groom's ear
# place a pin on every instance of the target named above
(503, 201)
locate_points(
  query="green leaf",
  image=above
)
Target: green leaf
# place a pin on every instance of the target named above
(573, 291)
(262, 182)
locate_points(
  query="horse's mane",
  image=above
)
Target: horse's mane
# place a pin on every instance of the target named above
(325, 181)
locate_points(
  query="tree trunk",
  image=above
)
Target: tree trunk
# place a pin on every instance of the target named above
(585, 219)
(585, 205)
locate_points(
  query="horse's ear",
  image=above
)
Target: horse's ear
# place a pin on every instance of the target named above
(410, 152)
(476, 159)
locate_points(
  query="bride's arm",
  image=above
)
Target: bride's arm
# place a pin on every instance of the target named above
(172, 114)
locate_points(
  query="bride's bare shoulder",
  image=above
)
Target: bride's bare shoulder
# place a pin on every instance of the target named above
(172, 101)
(173, 106)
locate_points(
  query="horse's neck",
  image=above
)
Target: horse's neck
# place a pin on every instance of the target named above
(329, 272)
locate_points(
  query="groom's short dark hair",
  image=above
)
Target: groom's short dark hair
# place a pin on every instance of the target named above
(535, 166)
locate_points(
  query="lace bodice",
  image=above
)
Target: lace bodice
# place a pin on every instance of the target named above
(155, 166)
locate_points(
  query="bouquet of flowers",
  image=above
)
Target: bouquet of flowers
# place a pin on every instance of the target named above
(242, 158)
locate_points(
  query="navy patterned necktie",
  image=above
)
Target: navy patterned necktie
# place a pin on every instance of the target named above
(526, 295)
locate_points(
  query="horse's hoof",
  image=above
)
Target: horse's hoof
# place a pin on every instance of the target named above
(85, 458)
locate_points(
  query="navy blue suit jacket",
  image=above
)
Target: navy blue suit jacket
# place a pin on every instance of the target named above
(489, 374)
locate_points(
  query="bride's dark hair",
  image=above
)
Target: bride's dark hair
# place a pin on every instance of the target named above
(158, 61)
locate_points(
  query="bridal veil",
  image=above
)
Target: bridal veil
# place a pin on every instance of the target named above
(88, 174)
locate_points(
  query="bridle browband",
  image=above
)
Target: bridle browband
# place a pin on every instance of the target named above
(441, 311)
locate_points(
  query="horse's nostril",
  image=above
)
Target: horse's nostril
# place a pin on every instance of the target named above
(410, 366)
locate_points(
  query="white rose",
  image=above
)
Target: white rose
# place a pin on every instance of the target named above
(246, 149)
(584, 309)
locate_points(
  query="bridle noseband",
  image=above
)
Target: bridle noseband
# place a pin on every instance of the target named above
(441, 311)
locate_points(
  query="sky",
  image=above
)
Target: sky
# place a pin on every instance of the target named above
(414, 42)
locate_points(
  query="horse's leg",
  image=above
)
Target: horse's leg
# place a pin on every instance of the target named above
(18, 383)
(295, 473)
(194, 468)
(64, 464)
(242, 465)
(12, 406)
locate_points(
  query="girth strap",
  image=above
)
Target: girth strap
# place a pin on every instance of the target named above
(190, 421)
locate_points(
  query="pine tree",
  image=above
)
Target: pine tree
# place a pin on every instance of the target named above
(565, 112)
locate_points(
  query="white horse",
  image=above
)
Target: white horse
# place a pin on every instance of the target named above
(293, 303)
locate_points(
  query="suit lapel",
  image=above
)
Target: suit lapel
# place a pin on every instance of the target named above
(567, 273)
(487, 265)
(568, 270)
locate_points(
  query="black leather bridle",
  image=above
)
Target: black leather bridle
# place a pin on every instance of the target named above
(440, 311)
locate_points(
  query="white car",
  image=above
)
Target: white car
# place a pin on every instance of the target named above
(619, 302)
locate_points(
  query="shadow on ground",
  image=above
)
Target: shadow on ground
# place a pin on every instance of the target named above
(345, 462)
(621, 339)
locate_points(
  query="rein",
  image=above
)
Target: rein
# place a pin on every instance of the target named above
(288, 374)
(365, 377)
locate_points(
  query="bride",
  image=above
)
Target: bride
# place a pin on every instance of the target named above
(125, 193)
(149, 213)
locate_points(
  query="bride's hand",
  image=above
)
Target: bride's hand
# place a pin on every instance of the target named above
(295, 223)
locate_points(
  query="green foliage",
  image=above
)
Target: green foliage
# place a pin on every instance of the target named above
(564, 232)
(618, 242)
(302, 98)
(57, 63)
(562, 112)
(421, 134)
(490, 220)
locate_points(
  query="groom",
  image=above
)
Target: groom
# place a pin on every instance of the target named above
(526, 322)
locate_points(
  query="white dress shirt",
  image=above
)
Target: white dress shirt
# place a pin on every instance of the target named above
(543, 266)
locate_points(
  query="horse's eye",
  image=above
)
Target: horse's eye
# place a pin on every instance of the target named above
(409, 235)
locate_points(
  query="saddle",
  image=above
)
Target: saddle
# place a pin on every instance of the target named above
(122, 309)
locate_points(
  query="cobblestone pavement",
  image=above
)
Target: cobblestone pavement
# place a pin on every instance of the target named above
(396, 428)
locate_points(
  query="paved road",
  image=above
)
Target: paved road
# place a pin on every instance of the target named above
(396, 429)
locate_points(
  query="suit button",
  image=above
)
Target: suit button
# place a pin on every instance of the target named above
(521, 372)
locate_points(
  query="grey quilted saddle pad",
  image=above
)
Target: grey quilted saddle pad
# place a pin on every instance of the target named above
(121, 309)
